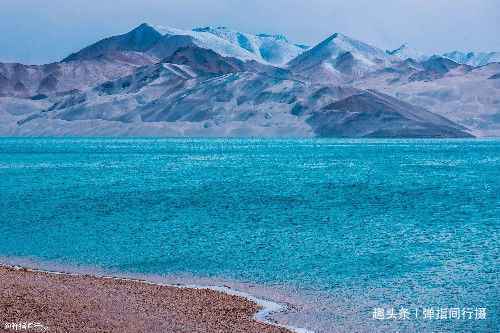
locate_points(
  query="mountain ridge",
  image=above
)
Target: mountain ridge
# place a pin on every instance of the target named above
(215, 81)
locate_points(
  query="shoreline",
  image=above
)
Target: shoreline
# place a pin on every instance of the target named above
(259, 313)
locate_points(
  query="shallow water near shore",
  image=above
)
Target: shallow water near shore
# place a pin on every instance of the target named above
(343, 226)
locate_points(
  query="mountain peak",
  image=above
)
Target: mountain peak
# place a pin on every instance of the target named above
(140, 39)
(405, 51)
(143, 33)
(333, 37)
(340, 36)
(339, 40)
(338, 44)
(403, 46)
(339, 55)
(143, 26)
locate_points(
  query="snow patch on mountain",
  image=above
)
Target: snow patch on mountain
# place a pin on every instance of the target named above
(273, 49)
(265, 48)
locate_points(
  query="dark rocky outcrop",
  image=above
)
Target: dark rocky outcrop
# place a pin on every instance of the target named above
(372, 114)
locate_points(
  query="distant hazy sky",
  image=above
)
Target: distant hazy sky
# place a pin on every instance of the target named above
(35, 31)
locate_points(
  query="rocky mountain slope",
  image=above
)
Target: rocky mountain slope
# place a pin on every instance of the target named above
(468, 96)
(220, 82)
(40, 81)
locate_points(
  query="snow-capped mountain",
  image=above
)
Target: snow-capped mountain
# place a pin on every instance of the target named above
(473, 58)
(273, 49)
(265, 48)
(175, 38)
(204, 94)
(163, 41)
(221, 82)
(339, 58)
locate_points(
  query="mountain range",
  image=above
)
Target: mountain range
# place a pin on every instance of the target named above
(217, 82)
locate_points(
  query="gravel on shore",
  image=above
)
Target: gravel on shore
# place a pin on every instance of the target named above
(84, 303)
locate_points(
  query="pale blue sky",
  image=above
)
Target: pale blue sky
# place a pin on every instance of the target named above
(35, 31)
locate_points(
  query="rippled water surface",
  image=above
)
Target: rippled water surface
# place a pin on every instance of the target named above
(364, 223)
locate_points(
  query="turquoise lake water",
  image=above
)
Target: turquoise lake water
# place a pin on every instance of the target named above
(364, 223)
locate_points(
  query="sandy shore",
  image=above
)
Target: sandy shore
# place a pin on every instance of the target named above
(83, 303)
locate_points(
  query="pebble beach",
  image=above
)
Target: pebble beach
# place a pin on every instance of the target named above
(56, 302)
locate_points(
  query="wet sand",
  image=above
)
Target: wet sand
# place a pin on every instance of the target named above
(84, 303)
